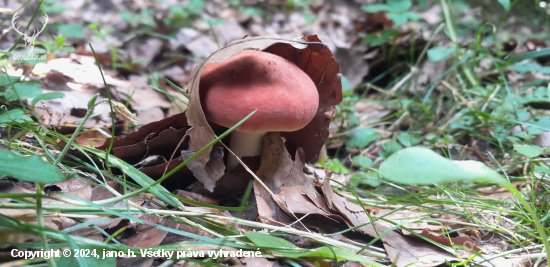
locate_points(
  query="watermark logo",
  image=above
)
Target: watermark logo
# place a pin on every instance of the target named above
(29, 39)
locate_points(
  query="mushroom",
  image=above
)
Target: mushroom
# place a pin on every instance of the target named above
(285, 96)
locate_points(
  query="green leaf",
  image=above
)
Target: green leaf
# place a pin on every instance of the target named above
(369, 178)
(25, 90)
(408, 139)
(373, 40)
(420, 165)
(527, 150)
(29, 169)
(529, 67)
(47, 45)
(542, 123)
(439, 53)
(361, 138)
(336, 166)
(399, 6)
(542, 170)
(523, 135)
(389, 148)
(16, 115)
(411, 16)
(375, 8)
(267, 240)
(177, 11)
(505, 4)
(59, 40)
(46, 96)
(377, 39)
(195, 6)
(345, 84)
(127, 16)
(71, 30)
(363, 161)
(402, 18)
(4, 79)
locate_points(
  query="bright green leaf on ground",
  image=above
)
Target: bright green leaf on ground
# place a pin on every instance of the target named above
(369, 178)
(402, 18)
(420, 165)
(59, 40)
(361, 138)
(4, 79)
(505, 4)
(389, 148)
(362, 161)
(336, 166)
(24, 90)
(345, 84)
(408, 139)
(47, 96)
(542, 170)
(267, 240)
(534, 131)
(527, 150)
(377, 39)
(439, 53)
(529, 67)
(399, 6)
(375, 8)
(71, 30)
(541, 122)
(16, 115)
(29, 169)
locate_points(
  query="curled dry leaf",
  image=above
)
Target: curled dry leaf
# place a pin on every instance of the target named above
(52, 117)
(308, 54)
(147, 131)
(123, 112)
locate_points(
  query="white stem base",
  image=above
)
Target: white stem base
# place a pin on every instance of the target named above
(243, 145)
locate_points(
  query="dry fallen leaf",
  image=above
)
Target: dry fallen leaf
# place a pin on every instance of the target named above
(52, 117)
(295, 193)
(402, 250)
(123, 111)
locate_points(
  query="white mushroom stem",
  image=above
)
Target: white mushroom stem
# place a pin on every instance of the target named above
(243, 145)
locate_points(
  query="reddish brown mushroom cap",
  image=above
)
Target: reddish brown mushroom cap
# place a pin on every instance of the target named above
(284, 95)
